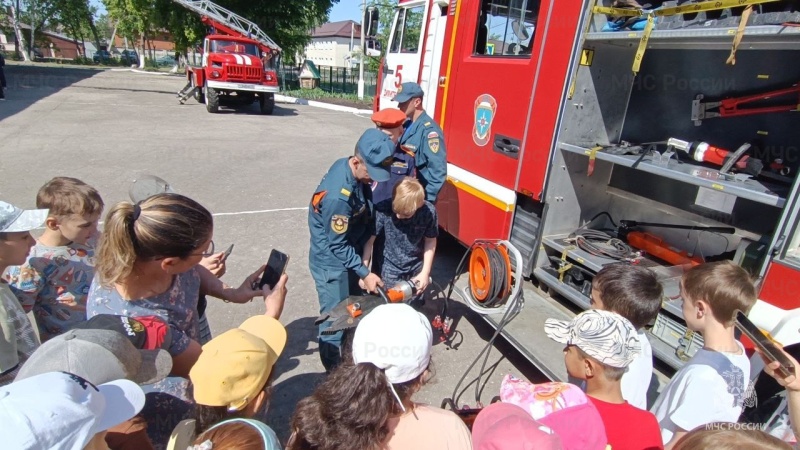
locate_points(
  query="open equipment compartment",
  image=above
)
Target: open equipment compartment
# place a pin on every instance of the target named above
(661, 184)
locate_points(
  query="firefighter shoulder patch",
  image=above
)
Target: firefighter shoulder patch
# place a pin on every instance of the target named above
(339, 223)
(433, 142)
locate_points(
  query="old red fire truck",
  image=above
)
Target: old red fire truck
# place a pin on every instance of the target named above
(588, 135)
(238, 64)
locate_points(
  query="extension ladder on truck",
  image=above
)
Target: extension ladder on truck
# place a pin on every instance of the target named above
(229, 22)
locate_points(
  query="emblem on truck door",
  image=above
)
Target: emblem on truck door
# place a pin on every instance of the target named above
(485, 108)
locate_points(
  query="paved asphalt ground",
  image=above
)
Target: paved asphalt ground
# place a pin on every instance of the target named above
(255, 173)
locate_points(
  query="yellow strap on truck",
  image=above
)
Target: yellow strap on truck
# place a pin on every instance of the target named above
(583, 39)
(737, 39)
(712, 5)
(637, 58)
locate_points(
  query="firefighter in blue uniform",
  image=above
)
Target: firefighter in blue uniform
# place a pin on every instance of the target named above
(423, 137)
(340, 219)
(390, 121)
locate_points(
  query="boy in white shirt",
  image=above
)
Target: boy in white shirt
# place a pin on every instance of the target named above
(711, 386)
(634, 293)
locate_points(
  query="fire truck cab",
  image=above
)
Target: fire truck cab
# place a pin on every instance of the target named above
(562, 116)
(233, 68)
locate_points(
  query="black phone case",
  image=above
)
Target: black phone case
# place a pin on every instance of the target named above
(270, 276)
(770, 350)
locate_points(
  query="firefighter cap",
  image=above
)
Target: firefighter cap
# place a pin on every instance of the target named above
(407, 91)
(389, 118)
(376, 149)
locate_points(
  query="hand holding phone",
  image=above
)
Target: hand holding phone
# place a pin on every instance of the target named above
(227, 253)
(276, 266)
(765, 345)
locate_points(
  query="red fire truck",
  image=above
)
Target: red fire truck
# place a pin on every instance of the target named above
(588, 135)
(238, 64)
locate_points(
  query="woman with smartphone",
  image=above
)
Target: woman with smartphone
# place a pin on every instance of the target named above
(147, 264)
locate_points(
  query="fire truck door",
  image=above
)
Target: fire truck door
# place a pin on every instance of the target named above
(488, 90)
(404, 54)
(777, 310)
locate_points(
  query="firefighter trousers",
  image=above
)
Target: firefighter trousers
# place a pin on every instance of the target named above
(333, 286)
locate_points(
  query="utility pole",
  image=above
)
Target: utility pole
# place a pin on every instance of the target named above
(361, 56)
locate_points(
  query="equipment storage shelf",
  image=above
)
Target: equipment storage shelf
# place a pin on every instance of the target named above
(755, 37)
(669, 276)
(693, 174)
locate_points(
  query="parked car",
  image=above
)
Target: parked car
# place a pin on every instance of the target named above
(102, 56)
(129, 57)
(166, 60)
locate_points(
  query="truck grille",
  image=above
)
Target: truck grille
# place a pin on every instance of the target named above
(244, 73)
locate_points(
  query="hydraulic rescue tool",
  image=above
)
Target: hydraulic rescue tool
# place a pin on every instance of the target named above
(726, 159)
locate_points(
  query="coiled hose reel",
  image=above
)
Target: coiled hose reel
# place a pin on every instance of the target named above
(495, 277)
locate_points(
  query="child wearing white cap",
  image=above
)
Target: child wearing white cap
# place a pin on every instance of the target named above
(62, 411)
(18, 340)
(367, 403)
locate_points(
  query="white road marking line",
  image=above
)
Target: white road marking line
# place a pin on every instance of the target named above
(262, 211)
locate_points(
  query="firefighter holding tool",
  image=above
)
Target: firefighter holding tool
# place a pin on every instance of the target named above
(424, 138)
(340, 219)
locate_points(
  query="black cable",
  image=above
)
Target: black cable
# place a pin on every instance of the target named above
(510, 313)
(598, 243)
(604, 213)
(503, 322)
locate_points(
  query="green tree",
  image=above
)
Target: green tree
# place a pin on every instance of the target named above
(287, 22)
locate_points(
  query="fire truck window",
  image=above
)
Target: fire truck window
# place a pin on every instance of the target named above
(407, 30)
(219, 46)
(506, 27)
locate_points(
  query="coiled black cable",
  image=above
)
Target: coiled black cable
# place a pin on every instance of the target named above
(601, 244)
(498, 287)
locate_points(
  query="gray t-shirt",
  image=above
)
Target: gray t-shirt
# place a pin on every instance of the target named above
(18, 339)
(170, 400)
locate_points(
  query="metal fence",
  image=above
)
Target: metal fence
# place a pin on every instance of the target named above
(332, 79)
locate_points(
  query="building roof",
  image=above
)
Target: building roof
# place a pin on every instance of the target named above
(337, 29)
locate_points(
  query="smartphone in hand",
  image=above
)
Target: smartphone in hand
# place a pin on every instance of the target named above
(276, 266)
(767, 347)
(227, 253)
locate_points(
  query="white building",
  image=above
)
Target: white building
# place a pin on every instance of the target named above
(332, 44)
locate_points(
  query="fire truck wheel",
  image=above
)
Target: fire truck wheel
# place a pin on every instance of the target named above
(212, 100)
(198, 93)
(267, 103)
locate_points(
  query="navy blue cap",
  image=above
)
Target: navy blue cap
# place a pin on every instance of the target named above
(376, 148)
(407, 91)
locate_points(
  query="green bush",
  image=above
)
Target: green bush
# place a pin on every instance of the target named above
(319, 94)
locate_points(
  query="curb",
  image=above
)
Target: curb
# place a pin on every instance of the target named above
(316, 104)
(143, 72)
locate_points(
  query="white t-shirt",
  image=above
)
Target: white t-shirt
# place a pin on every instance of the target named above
(711, 387)
(636, 380)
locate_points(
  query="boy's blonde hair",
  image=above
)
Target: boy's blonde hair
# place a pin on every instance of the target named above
(65, 196)
(408, 196)
(725, 286)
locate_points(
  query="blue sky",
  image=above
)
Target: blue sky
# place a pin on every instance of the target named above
(346, 9)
